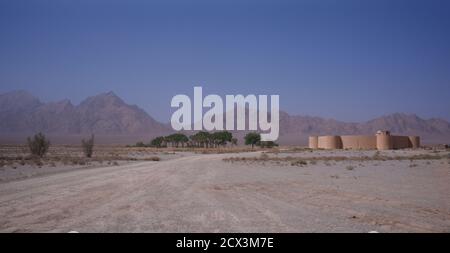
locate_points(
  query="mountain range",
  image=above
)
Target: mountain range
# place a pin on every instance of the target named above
(21, 112)
(106, 114)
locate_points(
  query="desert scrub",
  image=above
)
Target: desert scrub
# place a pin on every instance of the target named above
(65, 161)
(38, 162)
(299, 163)
(88, 146)
(293, 150)
(82, 162)
(153, 158)
(38, 145)
(77, 161)
(336, 158)
(349, 167)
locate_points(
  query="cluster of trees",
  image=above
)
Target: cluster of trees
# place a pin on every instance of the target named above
(205, 139)
(216, 139)
(200, 139)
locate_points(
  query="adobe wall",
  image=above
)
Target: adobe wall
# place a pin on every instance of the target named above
(359, 142)
(329, 142)
(406, 141)
(380, 141)
(401, 142)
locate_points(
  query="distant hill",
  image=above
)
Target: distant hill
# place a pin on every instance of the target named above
(106, 114)
(21, 112)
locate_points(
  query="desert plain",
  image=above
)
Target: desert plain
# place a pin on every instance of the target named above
(283, 189)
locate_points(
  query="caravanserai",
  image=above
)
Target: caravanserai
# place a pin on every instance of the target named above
(382, 140)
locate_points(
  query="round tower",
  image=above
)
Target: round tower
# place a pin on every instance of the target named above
(314, 142)
(415, 141)
(384, 140)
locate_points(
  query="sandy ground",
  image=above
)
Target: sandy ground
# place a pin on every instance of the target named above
(204, 193)
(17, 171)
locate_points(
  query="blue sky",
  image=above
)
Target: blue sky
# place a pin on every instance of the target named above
(348, 60)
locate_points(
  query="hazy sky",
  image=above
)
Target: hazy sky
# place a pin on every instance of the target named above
(349, 60)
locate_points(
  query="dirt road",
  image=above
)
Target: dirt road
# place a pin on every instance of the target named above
(202, 193)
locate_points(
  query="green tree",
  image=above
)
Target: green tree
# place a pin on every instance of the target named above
(183, 139)
(170, 139)
(176, 139)
(195, 140)
(204, 138)
(157, 142)
(252, 139)
(38, 144)
(221, 138)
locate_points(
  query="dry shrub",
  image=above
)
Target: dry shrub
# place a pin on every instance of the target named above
(38, 145)
(88, 146)
(299, 163)
(217, 150)
(65, 161)
(82, 162)
(350, 167)
(38, 162)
